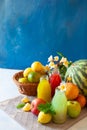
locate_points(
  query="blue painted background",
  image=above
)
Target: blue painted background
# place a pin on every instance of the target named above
(34, 29)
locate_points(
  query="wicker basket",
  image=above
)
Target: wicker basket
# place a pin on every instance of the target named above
(29, 89)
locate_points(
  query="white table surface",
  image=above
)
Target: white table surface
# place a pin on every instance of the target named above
(9, 90)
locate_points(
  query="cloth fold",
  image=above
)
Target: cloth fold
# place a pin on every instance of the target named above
(29, 121)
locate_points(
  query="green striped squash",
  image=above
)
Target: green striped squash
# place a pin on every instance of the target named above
(77, 73)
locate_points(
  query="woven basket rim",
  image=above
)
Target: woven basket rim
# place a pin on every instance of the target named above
(19, 74)
(29, 89)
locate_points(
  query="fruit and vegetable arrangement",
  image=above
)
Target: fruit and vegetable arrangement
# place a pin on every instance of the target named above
(33, 73)
(61, 90)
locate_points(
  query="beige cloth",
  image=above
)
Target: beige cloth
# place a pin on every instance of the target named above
(29, 121)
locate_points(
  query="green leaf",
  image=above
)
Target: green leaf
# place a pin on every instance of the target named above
(60, 54)
(70, 63)
(20, 105)
(46, 108)
(62, 70)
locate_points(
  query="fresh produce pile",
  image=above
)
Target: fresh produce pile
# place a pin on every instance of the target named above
(61, 91)
(33, 73)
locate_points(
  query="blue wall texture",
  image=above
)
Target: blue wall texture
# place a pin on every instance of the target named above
(34, 29)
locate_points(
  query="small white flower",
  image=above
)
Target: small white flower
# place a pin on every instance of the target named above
(51, 64)
(56, 58)
(50, 58)
(62, 87)
(64, 61)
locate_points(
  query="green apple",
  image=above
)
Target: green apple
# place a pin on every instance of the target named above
(73, 109)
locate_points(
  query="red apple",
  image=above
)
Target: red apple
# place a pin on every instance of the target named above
(34, 105)
(55, 81)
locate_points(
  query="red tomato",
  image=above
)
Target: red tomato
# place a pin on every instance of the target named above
(55, 81)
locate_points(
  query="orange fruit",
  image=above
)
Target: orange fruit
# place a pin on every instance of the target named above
(82, 100)
(71, 91)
